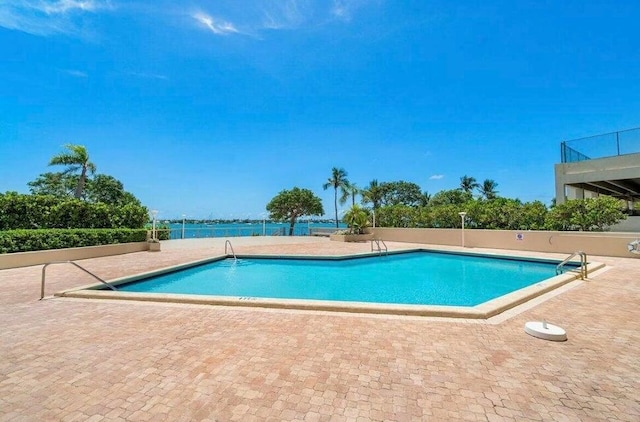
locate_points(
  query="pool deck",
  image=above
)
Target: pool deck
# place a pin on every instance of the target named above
(91, 360)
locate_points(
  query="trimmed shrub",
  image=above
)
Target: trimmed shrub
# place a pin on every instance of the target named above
(18, 211)
(589, 214)
(129, 215)
(43, 239)
(74, 213)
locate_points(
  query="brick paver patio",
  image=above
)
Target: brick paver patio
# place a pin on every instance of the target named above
(91, 360)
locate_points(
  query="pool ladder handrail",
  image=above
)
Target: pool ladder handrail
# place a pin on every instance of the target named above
(44, 275)
(583, 264)
(228, 243)
(378, 247)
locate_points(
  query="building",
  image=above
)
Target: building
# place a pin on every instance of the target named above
(607, 164)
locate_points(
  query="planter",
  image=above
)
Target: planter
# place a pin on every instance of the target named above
(26, 259)
(154, 246)
(351, 237)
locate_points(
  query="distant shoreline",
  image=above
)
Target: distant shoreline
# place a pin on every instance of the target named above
(242, 221)
(249, 228)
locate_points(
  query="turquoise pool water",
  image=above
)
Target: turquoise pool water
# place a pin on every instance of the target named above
(425, 278)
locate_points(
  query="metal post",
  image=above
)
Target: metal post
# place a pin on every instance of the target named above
(153, 224)
(618, 141)
(462, 215)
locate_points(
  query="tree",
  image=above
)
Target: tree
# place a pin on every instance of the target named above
(357, 219)
(424, 199)
(60, 185)
(288, 205)
(488, 189)
(468, 184)
(533, 215)
(401, 193)
(108, 189)
(101, 188)
(446, 216)
(337, 180)
(76, 158)
(372, 194)
(350, 191)
(496, 214)
(590, 214)
(450, 197)
(399, 215)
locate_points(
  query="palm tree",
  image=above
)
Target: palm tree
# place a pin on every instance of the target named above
(488, 189)
(337, 180)
(424, 199)
(76, 158)
(468, 184)
(350, 191)
(372, 193)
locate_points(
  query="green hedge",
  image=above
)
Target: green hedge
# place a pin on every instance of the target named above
(591, 214)
(42, 239)
(18, 211)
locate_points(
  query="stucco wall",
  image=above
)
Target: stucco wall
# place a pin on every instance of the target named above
(608, 244)
(25, 259)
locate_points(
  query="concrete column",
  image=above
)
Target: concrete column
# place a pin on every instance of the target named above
(561, 187)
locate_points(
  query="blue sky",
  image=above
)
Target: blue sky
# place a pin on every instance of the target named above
(210, 108)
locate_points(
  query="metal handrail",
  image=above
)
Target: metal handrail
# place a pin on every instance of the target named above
(379, 248)
(44, 275)
(583, 264)
(228, 242)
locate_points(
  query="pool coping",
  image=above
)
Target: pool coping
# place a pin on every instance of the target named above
(484, 310)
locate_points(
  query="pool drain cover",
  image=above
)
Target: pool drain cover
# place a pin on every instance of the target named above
(545, 331)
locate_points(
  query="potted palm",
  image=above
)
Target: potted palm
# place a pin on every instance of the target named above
(357, 221)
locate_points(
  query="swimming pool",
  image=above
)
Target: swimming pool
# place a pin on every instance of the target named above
(418, 282)
(416, 278)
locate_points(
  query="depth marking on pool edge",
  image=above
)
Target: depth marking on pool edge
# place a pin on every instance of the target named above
(247, 298)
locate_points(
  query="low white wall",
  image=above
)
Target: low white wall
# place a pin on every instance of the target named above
(25, 259)
(605, 243)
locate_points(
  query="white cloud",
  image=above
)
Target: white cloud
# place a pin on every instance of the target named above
(341, 10)
(215, 25)
(76, 73)
(72, 17)
(344, 9)
(148, 75)
(48, 17)
(284, 14)
(436, 177)
(293, 14)
(64, 6)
